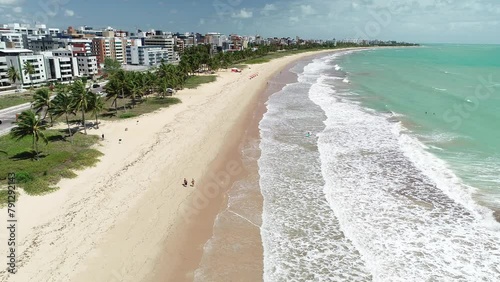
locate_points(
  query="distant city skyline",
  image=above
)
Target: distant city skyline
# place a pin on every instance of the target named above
(422, 21)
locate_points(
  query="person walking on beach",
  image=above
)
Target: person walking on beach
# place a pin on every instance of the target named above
(192, 182)
(185, 183)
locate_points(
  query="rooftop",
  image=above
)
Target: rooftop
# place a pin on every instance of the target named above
(15, 51)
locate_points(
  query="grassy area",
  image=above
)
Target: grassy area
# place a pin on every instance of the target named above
(195, 81)
(7, 101)
(240, 66)
(145, 106)
(58, 160)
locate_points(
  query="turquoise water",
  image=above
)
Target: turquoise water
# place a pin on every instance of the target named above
(382, 190)
(446, 95)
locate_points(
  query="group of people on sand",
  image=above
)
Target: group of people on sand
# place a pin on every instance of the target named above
(185, 184)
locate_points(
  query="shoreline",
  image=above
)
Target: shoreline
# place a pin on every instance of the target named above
(193, 237)
(109, 223)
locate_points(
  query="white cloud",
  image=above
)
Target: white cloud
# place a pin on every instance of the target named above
(294, 19)
(17, 9)
(10, 2)
(243, 14)
(267, 9)
(69, 13)
(307, 9)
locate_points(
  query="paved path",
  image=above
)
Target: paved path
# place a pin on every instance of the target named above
(8, 116)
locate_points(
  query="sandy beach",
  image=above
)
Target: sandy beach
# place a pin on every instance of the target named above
(127, 218)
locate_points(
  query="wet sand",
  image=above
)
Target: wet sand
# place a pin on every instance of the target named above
(236, 252)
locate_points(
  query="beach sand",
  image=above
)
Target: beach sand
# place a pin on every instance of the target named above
(129, 218)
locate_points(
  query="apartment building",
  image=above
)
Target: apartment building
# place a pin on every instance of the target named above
(18, 58)
(14, 39)
(111, 47)
(79, 47)
(147, 55)
(60, 65)
(4, 77)
(165, 42)
(87, 65)
(101, 48)
(45, 43)
(38, 29)
(214, 38)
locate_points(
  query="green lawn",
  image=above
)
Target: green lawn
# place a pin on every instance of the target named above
(240, 66)
(7, 101)
(125, 109)
(195, 81)
(58, 160)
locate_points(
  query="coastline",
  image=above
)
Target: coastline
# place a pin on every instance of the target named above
(191, 241)
(109, 223)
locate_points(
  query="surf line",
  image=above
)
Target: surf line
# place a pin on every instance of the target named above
(249, 221)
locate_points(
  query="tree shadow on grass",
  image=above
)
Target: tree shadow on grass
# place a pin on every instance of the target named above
(108, 114)
(27, 155)
(56, 138)
(74, 130)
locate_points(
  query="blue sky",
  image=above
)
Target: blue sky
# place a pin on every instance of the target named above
(424, 21)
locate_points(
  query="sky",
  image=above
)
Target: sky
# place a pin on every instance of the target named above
(421, 21)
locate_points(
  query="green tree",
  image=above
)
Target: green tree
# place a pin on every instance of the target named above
(117, 87)
(136, 87)
(80, 99)
(13, 75)
(95, 105)
(112, 92)
(62, 104)
(29, 69)
(41, 102)
(28, 124)
(111, 66)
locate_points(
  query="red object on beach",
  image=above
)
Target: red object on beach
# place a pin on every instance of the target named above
(253, 75)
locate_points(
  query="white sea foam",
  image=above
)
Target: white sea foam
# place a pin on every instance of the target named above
(382, 209)
(440, 89)
(406, 212)
(301, 236)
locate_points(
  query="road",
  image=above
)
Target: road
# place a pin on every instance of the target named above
(8, 116)
(11, 92)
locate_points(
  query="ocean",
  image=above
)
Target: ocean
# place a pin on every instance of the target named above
(398, 180)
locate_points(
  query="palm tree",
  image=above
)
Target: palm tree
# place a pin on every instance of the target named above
(62, 104)
(80, 100)
(41, 101)
(13, 74)
(95, 105)
(28, 124)
(112, 92)
(29, 69)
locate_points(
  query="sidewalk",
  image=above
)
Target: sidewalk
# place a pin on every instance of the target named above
(11, 92)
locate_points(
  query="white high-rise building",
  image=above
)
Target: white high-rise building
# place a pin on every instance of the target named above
(60, 65)
(87, 65)
(4, 78)
(147, 55)
(15, 39)
(18, 59)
